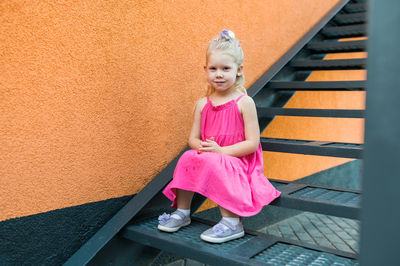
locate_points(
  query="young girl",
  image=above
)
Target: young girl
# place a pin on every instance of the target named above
(225, 163)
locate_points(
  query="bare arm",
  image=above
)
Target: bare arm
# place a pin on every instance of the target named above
(195, 134)
(252, 134)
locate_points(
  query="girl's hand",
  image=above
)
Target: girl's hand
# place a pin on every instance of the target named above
(210, 146)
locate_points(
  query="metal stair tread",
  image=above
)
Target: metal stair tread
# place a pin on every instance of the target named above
(316, 85)
(309, 147)
(332, 64)
(356, 30)
(350, 18)
(355, 7)
(283, 254)
(184, 240)
(342, 113)
(323, 194)
(337, 47)
(337, 232)
(254, 248)
(321, 199)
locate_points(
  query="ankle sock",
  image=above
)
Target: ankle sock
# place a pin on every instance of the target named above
(231, 220)
(184, 211)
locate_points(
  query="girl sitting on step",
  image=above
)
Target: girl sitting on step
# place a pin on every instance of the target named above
(225, 163)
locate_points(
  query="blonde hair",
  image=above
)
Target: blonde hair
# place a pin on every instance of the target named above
(227, 42)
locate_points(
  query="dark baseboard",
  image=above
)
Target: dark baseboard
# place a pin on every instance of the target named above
(52, 237)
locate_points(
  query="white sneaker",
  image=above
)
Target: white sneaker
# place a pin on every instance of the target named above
(170, 224)
(222, 232)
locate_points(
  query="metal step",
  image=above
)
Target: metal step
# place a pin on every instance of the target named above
(326, 230)
(321, 199)
(337, 64)
(337, 47)
(254, 248)
(317, 85)
(336, 32)
(270, 112)
(309, 147)
(356, 7)
(351, 18)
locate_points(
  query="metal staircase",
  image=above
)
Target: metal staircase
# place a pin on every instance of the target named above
(349, 22)
(254, 248)
(137, 221)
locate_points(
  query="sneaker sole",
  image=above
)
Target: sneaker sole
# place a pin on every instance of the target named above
(223, 239)
(171, 229)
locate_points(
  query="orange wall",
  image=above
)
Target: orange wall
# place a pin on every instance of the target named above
(96, 96)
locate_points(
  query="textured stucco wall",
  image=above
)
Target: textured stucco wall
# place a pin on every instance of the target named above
(96, 96)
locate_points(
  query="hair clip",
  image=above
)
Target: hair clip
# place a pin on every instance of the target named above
(227, 35)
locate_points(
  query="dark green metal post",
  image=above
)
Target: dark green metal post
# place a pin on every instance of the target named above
(380, 234)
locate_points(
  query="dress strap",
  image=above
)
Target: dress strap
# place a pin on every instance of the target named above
(208, 99)
(240, 97)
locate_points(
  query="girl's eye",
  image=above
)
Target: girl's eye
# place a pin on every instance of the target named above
(227, 68)
(212, 68)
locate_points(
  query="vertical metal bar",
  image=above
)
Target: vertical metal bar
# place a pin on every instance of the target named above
(380, 217)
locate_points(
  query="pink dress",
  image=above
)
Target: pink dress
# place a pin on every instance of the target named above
(236, 184)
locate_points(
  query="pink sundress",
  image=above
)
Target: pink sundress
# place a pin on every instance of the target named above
(236, 184)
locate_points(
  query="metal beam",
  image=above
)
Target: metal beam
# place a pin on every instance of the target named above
(270, 112)
(322, 148)
(317, 85)
(337, 47)
(380, 218)
(358, 30)
(356, 7)
(351, 18)
(335, 64)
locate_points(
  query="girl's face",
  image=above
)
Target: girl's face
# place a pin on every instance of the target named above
(222, 71)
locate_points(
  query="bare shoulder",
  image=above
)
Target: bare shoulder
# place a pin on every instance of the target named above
(246, 103)
(201, 103)
(247, 100)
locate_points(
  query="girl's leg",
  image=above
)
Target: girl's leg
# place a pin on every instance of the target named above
(184, 198)
(180, 217)
(226, 213)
